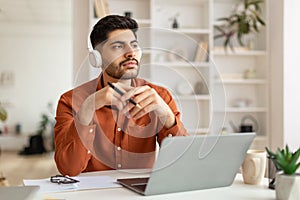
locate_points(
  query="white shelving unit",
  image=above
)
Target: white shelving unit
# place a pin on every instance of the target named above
(245, 96)
(183, 72)
(169, 60)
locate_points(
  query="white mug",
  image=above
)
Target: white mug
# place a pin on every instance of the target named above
(254, 166)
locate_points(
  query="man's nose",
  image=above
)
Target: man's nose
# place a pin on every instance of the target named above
(130, 52)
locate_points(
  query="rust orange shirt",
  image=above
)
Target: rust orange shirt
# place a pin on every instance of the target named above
(111, 141)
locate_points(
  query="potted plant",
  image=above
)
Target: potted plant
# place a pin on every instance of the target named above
(244, 20)
(3, 115)
(287, 178)
(36, 141)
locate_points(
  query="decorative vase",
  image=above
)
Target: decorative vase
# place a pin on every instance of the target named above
(175, 23)
(287, 187)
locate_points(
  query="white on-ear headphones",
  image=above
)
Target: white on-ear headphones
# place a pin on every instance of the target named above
(94, 56)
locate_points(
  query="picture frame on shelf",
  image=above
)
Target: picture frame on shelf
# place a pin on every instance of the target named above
(101, 8)
(202, 52)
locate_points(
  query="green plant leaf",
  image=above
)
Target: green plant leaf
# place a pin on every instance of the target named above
(297, 166)
(220, 30)
(286, 150)
(255, 2)
(223, 19)
(43, 124)
(218, 36)
(295, 157)
(277, 165)
(280, 156)
(270, 153)
(240, 39)
(287, 154)
(3, 113)
(260, 20)
(234, 19)
(226, 42)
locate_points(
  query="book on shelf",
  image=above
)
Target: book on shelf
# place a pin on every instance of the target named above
(201, 54)
(101, 8)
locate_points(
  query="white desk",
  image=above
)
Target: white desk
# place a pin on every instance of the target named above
(238, 191)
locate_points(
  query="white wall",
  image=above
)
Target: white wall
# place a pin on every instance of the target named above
(291, 73)
(276, 73)
(41, 58)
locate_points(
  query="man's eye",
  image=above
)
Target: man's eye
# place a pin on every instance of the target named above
(135, 45)
(117, 46)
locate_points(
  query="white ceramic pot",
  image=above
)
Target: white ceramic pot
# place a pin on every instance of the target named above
(287, 187)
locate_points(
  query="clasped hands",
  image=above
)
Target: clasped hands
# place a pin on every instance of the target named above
(147, 97)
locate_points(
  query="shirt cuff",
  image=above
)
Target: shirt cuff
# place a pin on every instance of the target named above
(176, 130)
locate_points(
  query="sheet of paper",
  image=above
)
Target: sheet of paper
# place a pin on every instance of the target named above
(86, 183)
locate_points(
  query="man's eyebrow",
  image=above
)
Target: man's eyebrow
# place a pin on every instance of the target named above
(122, 42)
(117, 42)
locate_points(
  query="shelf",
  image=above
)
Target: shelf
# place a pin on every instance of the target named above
(144, 22)
(241, 81)
(180, 2)
(240, 53)
(192, 31)
(260, 138)
(199, 131)
(218, 23)
(244, 109)
(203, 97)
(183, 64)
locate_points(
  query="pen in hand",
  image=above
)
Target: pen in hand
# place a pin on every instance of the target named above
(122, 93)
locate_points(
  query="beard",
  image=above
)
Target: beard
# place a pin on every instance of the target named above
(117, 71)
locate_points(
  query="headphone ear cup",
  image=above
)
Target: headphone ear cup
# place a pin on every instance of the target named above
(95, 58)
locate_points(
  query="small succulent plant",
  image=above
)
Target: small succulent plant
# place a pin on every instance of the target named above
(285, 160)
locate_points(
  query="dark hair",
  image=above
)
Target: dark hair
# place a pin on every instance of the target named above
(108, 24)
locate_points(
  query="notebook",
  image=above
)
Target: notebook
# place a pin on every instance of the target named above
(187, 163)
(18, 192)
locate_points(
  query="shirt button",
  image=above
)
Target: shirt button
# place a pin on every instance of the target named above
(119, 129)
(170, 135)
(119, 148)
(119, 165)
(89, 152)
(91, 130)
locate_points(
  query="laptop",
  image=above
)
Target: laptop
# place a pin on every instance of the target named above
(187, 163)
(18, 192)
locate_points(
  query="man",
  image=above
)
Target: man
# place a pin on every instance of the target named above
(96, 127)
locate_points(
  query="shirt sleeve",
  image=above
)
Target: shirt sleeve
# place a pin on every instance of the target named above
(72, 140)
